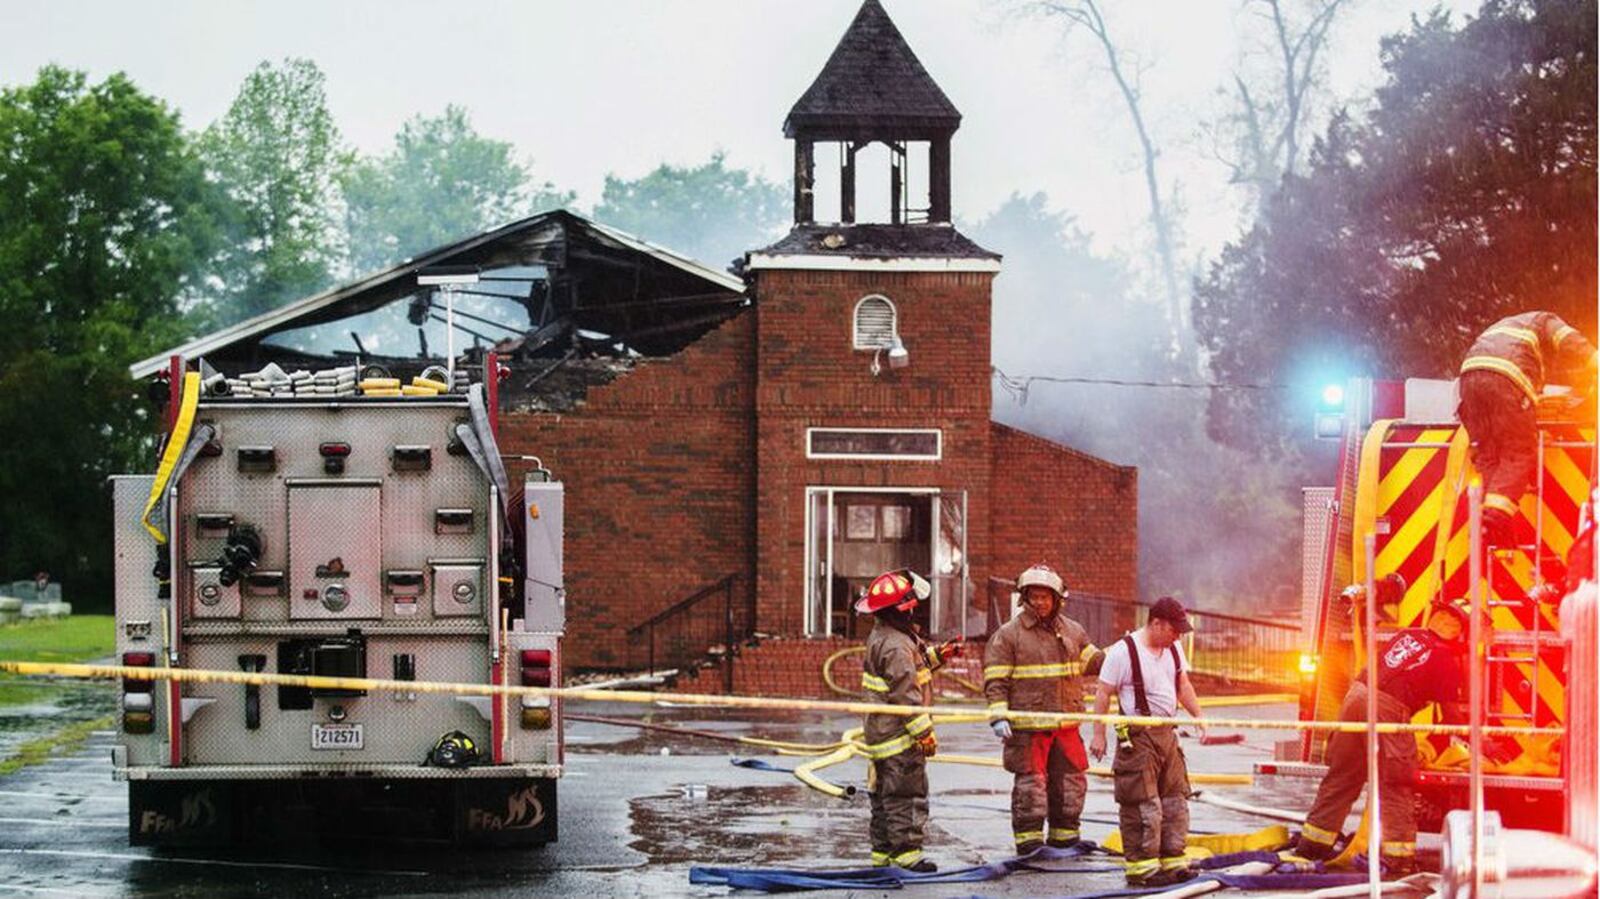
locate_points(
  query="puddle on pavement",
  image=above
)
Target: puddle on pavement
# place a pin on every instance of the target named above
(748, 826)
(762, 827)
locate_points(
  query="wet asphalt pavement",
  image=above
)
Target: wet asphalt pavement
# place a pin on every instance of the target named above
(637, 809)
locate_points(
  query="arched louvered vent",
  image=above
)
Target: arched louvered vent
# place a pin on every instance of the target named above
(875, 323)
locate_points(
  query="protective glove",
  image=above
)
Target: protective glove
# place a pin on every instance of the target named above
(1001, 728)
(928, 743)
(949, 649)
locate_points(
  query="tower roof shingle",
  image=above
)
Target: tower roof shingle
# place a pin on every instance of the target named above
(873, 86)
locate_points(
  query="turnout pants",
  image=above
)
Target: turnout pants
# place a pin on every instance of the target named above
(1501, 420)
(1047, 795)
(899, 808)
(1346, 756)
(1152, 793)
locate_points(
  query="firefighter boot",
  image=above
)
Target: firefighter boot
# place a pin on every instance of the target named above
(1167, 877)
(1396, 868)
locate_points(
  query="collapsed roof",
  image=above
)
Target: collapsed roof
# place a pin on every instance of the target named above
(554, 290)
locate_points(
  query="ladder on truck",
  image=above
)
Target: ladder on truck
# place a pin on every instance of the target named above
(1405, 483)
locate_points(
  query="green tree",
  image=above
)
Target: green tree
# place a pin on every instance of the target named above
(441, 181)
(709, 212)
(1468, 193)
(104, 215)
(276, 156)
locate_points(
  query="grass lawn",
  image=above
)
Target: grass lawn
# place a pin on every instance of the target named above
(77, 638)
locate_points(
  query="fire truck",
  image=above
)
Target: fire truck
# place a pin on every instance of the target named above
(338, 531)
(1404, 471)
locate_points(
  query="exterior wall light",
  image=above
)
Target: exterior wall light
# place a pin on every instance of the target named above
(898, 357)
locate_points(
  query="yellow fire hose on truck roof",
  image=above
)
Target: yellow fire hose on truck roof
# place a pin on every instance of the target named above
(177, 442)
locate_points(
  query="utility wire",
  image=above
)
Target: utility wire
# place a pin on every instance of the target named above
(1019, 386)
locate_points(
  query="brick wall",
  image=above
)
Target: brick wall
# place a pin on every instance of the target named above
(1070, 509)
(667, 467)
(659, 487)
(809, 375)
(793, 667)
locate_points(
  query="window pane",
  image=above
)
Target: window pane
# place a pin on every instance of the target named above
(896, 522)
(914, 444)
(861, 523)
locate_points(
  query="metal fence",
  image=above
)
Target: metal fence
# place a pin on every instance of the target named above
(1233, 649)
(706, 629)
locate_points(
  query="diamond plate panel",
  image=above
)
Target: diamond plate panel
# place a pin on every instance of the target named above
(398, 731)
(457, 589)
(409, 499)
(208, 598)
(335, 547)
(137, 607)
(396, 526)
(544, 513)
(1316, 518)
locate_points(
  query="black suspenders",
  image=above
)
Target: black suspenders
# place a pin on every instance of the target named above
(1139, 698)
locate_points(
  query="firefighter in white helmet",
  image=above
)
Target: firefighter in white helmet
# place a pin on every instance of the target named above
(1033, 664)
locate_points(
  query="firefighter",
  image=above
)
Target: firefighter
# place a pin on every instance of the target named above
(1033, 664)
(1501, 380)
(1417, 666)
(898, 670)
(1148, 671)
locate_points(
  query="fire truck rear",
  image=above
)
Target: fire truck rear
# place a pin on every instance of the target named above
(347, 536)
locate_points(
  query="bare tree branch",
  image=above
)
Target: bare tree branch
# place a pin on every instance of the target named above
(1085, 15)
(1269, 139)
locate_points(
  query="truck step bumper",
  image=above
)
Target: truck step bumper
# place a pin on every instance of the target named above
(485, 811)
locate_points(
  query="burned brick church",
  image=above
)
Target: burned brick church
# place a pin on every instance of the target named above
(743, 452)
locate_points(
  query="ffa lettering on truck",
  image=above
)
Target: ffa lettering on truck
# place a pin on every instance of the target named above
(329, 525)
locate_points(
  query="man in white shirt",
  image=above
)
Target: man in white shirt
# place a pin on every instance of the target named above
(1148, 671)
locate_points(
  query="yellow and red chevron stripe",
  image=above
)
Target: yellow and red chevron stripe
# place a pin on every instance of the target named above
(1412, 498)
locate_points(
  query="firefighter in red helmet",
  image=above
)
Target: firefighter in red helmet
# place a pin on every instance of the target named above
(1417, 666)
(898, 671)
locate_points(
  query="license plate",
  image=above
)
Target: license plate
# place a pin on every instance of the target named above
(336, 736)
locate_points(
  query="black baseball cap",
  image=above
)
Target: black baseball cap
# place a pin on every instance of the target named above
(1170, 609)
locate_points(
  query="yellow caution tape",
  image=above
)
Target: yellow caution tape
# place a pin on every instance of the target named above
(323, 682)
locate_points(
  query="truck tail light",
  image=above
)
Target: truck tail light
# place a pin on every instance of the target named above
(535, 717)
(536, 667)
(333, 456)
(138, 660)
(536, 672)
(138, 701)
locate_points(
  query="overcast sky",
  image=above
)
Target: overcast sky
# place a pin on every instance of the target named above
(583, 89)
